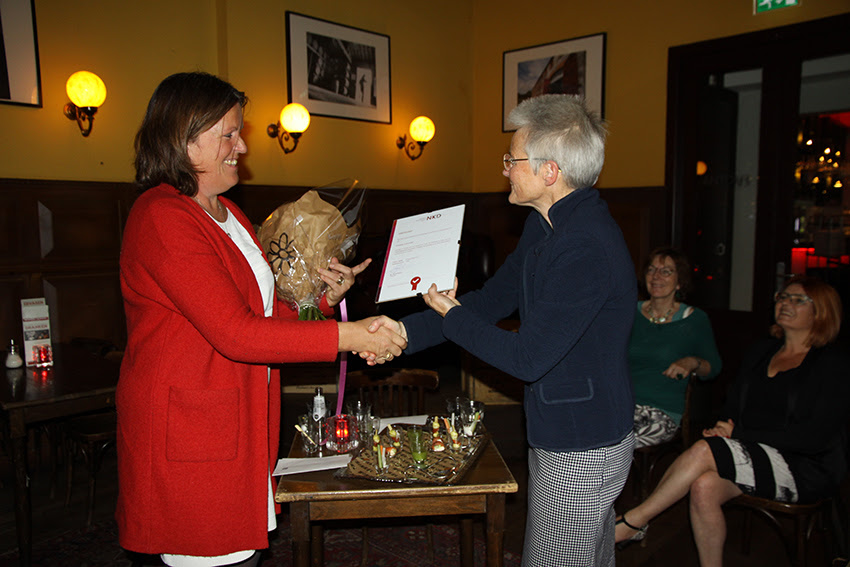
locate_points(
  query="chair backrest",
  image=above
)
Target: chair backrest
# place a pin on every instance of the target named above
(698, 410)
(393, 392)
(687, 421)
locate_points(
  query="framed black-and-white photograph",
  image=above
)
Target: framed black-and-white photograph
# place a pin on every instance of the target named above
(20, 79)
(575, 66)
(337, 70)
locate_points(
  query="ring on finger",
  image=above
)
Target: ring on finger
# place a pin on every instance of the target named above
(340, 281)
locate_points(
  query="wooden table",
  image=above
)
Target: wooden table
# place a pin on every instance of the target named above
(78, 382)
(318, 496)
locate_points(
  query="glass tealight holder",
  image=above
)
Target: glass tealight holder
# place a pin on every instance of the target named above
(342, 433)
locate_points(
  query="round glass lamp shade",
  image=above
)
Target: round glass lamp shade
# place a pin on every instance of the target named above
(422, 129)
(294, 118)
(86, 89)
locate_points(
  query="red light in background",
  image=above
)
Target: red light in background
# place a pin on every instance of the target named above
(804, 258)
(798, 259)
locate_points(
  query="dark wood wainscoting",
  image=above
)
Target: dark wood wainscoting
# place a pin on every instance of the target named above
(61, 240)
(643, 215)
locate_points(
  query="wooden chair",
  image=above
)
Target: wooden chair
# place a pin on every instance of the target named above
(393, 392)
(805, 517)
(647, 458)
(831, 512)
(91, 435)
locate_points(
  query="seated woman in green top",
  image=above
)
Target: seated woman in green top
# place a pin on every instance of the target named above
(670, 341)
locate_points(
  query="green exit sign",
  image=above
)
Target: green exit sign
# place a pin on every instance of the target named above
(762, 6)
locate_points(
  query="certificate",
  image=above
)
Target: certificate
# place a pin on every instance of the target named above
(423, 250)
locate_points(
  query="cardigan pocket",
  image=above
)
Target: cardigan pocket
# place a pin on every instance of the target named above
(565, 393)
(203, 425)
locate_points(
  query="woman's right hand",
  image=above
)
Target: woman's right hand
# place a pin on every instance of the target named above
(720, 429)
(382, 343)
(375, 325)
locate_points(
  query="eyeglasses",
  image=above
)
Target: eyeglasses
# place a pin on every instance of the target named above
(509, 161)
(663, 272)
(792, 298)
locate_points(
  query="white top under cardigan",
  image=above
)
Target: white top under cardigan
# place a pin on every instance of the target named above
(265, 279)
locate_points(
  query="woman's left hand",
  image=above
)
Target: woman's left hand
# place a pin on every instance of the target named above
(441, 301)
(340, 278)
(720, 429)
(682, 368)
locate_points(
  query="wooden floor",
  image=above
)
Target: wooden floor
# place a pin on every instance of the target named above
(669, 541)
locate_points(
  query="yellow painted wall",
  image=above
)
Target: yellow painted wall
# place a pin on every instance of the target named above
(639, 36)
(134, 45)
(446, 60)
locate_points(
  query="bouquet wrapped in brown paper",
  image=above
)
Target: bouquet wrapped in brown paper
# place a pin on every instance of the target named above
(304, 235)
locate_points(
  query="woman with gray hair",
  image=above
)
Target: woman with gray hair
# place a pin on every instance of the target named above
(572, 281)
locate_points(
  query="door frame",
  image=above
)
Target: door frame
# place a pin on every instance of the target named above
(779, 53)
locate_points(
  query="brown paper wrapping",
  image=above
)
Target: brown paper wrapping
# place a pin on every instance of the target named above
(300, 237)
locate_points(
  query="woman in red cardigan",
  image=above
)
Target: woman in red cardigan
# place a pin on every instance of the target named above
(198, 407)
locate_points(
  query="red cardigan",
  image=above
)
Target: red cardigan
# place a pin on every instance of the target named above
(198, 419)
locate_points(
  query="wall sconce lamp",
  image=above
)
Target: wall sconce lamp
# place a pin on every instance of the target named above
(294, 120)
(87, 92)
(421, 132)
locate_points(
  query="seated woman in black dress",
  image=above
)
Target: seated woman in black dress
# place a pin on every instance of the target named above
(782, 432)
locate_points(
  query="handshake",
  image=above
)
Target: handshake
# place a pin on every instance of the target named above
(376, 340)
(380, 339)
(394, 330)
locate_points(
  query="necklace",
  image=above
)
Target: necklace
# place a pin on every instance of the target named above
(653, 318)
(219, 209)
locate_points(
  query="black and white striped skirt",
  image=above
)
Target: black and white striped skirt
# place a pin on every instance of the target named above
(756, 468)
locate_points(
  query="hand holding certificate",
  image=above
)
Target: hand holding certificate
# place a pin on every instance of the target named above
(441, 301)
(423, 250)
(422, 254)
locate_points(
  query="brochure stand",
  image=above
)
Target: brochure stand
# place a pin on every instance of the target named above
(36, 320)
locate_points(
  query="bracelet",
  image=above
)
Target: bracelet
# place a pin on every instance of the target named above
(699, 365)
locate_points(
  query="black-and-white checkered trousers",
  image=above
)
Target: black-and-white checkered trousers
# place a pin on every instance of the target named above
(570, 505)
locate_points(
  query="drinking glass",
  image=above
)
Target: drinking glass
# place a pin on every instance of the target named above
(454, 407)
(312, 434)
(358, 408)
(470, 415)
(418, 445)
(382, 460)
(362, 413)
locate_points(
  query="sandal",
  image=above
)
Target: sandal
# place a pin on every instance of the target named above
(640, 533)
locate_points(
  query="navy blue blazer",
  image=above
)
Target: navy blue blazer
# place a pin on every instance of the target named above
(574, 286)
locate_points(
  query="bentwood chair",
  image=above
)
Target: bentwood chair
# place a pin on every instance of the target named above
(647, 458)
(391, 393)
(805, 518)
(831, 512)
(91, 435)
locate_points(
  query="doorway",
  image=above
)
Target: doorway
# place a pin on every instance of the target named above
(758, 134)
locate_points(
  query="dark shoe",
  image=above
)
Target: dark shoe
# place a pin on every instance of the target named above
(640, 533)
